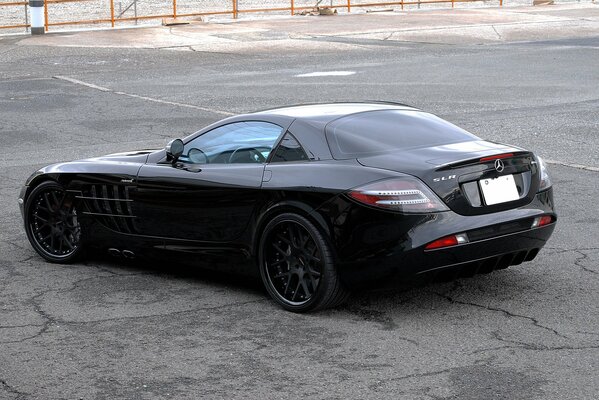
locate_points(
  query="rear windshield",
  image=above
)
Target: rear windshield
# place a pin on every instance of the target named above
(383, 131)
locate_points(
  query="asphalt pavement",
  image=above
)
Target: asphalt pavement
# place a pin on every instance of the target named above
(105, 329)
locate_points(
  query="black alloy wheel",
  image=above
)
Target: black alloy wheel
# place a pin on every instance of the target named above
(51, 223)
(297, 266)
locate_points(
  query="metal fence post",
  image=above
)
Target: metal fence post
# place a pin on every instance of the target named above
(36, 8)
(46, 15)
(348, 5)
(292, 7)
(174, 8)
(26, 19)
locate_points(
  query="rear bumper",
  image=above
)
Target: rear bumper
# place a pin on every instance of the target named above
(471, 258)
(394, 246)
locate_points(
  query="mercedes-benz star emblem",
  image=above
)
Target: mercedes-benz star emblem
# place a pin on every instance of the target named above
(499, 165)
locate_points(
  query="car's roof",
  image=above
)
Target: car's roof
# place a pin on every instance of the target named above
(326, 112)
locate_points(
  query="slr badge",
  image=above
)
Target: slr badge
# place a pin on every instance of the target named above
(444, 178)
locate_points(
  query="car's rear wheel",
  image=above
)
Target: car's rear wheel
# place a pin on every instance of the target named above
(52, 224)
(297, 265)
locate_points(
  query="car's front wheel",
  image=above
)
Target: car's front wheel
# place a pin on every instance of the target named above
(52, 224)
(297, 265)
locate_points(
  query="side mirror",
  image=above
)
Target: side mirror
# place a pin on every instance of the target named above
(174, 149)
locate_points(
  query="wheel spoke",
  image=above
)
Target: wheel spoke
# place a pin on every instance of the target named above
(40, 227)
(40, 218)
(56, 201)
(283, 239)
(43, 239)
(68, 243)
(279, 249)
(305, 241)
(282, 274)
(299, 283)
(313, 272)
(307, 292)
(293, 234)
(311, 257)
(288, 284)
(48, 202)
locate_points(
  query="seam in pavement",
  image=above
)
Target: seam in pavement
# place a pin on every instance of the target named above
(136, 96)
(492, 25)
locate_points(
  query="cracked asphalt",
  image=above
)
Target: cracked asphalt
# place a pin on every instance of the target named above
(106, 329)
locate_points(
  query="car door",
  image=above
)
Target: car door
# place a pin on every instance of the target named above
(213, 189)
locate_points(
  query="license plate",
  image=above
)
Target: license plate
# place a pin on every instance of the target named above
(499, 190)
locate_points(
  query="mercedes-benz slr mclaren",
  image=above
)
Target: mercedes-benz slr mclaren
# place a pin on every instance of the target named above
(316, 199)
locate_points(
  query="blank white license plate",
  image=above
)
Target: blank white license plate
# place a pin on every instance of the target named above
(499, 190)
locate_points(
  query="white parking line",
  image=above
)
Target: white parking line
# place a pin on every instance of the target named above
(136, 96)
(326, 73)
(78, 82)
(577, 166)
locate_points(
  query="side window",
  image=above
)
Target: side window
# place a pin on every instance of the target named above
(238, 142)
(289, 150)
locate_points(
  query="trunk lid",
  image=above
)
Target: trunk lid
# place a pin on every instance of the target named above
(456, 172)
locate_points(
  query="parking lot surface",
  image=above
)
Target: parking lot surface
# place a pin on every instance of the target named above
(106, 329)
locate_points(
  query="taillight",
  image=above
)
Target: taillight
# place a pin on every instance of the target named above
(448, 241)
(406, 194)
(544, 179)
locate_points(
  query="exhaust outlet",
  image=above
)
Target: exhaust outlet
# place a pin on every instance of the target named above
(128, 254)
(114, 252)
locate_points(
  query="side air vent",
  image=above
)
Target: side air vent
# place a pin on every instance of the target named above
(110, 205)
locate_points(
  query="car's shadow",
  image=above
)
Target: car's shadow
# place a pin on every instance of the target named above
(373, 302)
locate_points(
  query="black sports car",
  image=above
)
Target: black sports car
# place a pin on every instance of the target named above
(318, 198)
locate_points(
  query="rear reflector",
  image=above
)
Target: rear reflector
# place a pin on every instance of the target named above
(542, 221)
(448, 241)
(496, 157)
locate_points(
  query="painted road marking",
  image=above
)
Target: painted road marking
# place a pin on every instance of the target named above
(326, 73)
(136, 96)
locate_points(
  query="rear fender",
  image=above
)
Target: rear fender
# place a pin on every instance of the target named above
(288, 206)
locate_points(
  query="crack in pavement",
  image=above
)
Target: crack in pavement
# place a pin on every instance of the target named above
(578, 261)
(20, 326)
(583, 256)
(498, 34)
(47, 318)
(505, 312)
(515, 344)
(20, 395)
(200, 309)
(50, 320)
(375, 386)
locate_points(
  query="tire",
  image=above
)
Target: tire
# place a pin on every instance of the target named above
(297, 265)
(52, 225)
